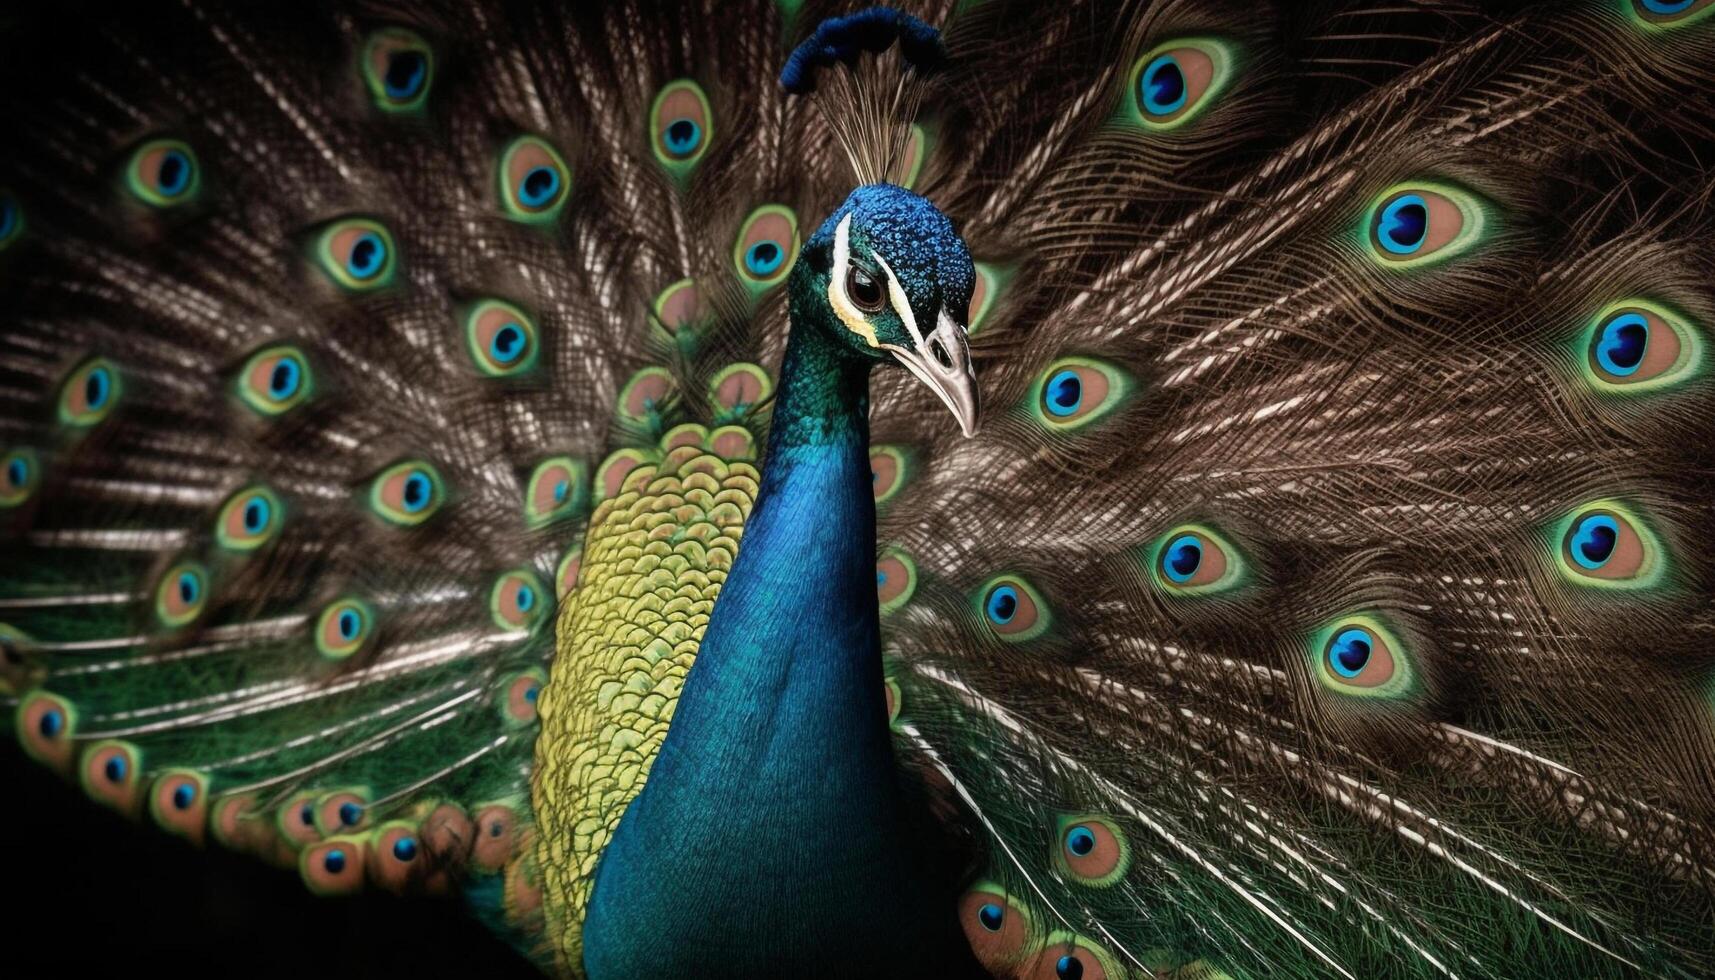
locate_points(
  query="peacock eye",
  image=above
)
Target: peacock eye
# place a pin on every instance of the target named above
(1602, 544)
(407, 494)
(1076, 391)
(19, 474)
(1067, 956)
(646, 394)
(1416, 224)
(1174, 82)
(111, 771)
(1638, 346)
(501, 338)
(275, 380)
(767, 244)
(888, 468)
(681, 125)
(343, 628)
(249, 519)
(397, 68)
(518, 600)
(555, 491)
(1194, 560)
(181, 594)
(534, 179)
(1359, 656)
(1663, 13)
(1092, 850)
(520, 694)
(178, 801)
(89, 393)
(865, 290)
(357, 253)
(997, 929)
(11, 220)
(737, 388)
(163, 173)
(895, 579)
(334, 866)
(1012, 608)
(681, 306)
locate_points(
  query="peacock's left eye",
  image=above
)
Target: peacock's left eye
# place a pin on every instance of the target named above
(407, 493)
(1012, 608)
(501, 338)
(681, 125)
(357, 253)
(534, 179)
(11, 220)
(865, 290)
(163, 173)
(275, 380)
(249, 519)
(1076, 391)
(343, 627)
(1662, 13)
(1415, 224)
(1603, 544)
(555, 491)
(1174, 82)
(766, 246)
(19, 474)
(518, 600)
(1194, 560)
(1092, 850)
(89, 393)
(181, 594)
(1359, 656)
(397, 68)
(1639, 346)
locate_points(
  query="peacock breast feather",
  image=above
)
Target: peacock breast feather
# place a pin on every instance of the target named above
(655, 557)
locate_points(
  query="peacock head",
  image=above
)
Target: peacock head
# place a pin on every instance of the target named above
(891, 280)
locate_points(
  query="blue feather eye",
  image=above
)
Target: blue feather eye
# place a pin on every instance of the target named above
(681, 125)
(534, 180)
(110, 772)
(407, 493)
(357, 253)
(44, 724)
(19, 474)
(89, 393)
(501, 338)
(1092, 850)
(179, 803)
(1603, 544)
(334, 866)
(767, 246)
(1068, 956)
(997, 929)
(1664, 13)
(249, 519)
(1419, 223)
(275, 380)
(518, 600)
(1174, 82)
(163, 173)
(557, 489)
(520, 695)
(1193, 560)
(181, 594)
(895, 580)
(1076, 391)
(11, 220)
(1637, 346)
(1063, 394)
(1012, 608)
(343, 628)
(397, 68)
(1359, 656)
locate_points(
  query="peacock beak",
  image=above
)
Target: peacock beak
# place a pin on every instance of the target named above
(943, 362)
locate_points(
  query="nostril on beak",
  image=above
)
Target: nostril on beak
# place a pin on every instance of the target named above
(940, 352)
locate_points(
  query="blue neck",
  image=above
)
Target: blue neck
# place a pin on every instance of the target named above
(769, 836)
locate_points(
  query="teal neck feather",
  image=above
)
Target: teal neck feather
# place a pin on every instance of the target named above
(770, 836)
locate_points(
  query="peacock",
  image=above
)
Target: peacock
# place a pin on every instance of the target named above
(1091, 489)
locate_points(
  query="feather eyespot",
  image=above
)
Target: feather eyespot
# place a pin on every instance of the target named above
(296, 819)
(556, 490)
(178, 801)
(681, 306)
(888, 468)
(1012, 608)
(1092, 850)
(275, 380)
(407, 494)
(519, 697)
(1194, 560)
(1359, 656)
(181, 594)
(343, 627)
(738, 388)
(1669, 13)
(89, 393)
(1076, 391)
(45, 724)
(996, 927)
(357, 253)
(249, 519)
(1421, 223)
(518, 601)
(502, 338)
(398, 67)
(681, 125)
(342, 811)
(1176, 81)
(1603, 544)
(1638, 346)
(111, 773)
(395, 859)
(20, 473)
(534, 180)
(767, 246)
(895, 579)
(1068, 956)
(334, 866)
(163, 173)
(11, 220)
(498, 833)
(645, 395)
